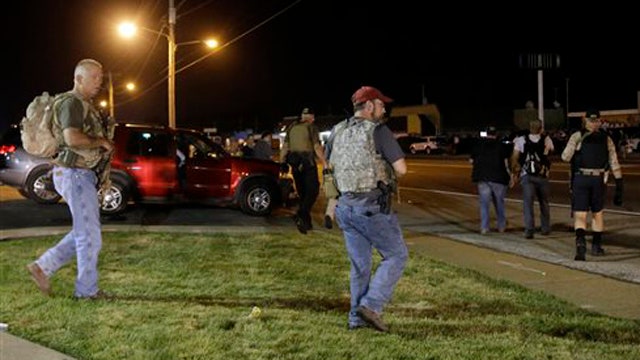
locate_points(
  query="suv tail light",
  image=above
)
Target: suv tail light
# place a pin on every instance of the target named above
(7, 149)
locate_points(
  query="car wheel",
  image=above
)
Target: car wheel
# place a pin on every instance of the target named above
(256, 198)
(116, 198)
(428, 150)
(413, 150)
(39, 186)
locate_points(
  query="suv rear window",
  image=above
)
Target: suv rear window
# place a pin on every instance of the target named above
(146, 143)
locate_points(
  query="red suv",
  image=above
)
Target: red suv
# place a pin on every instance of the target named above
(163, 165)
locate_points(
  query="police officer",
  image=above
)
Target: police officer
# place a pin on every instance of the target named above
(592, 154)
(300, 149)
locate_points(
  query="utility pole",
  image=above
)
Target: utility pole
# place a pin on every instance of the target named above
(171, 81)
(112, 110)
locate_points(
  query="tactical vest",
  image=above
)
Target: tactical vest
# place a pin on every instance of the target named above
(593, 153)
(92, 126)
(299, 138)
(357, 167)
(533, 160)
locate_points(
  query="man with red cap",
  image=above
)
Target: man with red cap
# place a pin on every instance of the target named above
(366, 160)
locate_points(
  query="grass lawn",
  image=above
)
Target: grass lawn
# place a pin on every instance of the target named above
(190, 296)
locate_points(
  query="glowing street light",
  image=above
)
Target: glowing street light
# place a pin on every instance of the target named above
(110, 103)
(130, 29)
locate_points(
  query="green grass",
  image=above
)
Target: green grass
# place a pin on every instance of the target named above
(189, 297)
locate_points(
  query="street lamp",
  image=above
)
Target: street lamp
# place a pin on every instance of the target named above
(110, 102)
(129, 30)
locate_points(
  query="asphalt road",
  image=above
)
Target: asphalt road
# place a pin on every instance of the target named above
(433, 183)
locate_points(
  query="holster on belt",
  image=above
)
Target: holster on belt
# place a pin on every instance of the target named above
(384, 200)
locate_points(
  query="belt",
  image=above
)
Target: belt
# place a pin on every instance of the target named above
(360, 193)
(591, 172)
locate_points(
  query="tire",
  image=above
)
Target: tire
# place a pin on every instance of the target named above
(413, 150)
(257, 198)
(39, 186)
(24, 192)
(116, 199)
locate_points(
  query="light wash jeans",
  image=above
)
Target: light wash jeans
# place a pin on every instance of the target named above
(492, 192)
(78, 188)
(365, 229)
(535, 187)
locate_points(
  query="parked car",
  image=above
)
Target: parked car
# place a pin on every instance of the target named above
(28, 173)
(146, 168)
(428, 144)
(405, 141)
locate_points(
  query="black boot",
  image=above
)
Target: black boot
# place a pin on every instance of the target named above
(581, 245)
(596, 244)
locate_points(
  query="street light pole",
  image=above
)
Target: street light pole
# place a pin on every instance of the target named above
(129, 29)
(171, 83)
(112, 110)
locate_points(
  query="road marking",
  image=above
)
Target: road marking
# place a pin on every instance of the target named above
(519, 266)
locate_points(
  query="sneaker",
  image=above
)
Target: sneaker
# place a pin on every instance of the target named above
(372, 318)
(328, 223)
(40, 278)
(100, 295)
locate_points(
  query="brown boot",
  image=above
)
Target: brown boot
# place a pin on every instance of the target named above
(40, 278)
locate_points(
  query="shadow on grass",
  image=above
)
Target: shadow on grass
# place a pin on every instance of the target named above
(311, 304)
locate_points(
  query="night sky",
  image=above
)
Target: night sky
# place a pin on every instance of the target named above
(317, 53)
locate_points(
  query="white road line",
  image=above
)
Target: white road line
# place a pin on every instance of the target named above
(519, 266)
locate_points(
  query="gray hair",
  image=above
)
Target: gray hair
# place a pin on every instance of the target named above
(83, 64)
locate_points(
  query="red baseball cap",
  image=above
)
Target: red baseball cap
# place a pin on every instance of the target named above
(367, 93)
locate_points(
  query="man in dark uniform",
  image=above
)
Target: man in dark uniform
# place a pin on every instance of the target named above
(300, 149)
(592, 154)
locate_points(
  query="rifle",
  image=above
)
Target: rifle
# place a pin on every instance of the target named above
(103, 169)
(384, 200)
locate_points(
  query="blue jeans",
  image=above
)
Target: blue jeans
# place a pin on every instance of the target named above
(365, 228)
(535, 187)
(492, 192)
(78, 188)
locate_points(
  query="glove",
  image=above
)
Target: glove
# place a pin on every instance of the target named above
(617, 197)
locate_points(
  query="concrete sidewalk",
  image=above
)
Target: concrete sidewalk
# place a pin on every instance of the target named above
(609, 285)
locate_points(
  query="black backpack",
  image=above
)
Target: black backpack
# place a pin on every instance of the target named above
(533, 160)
